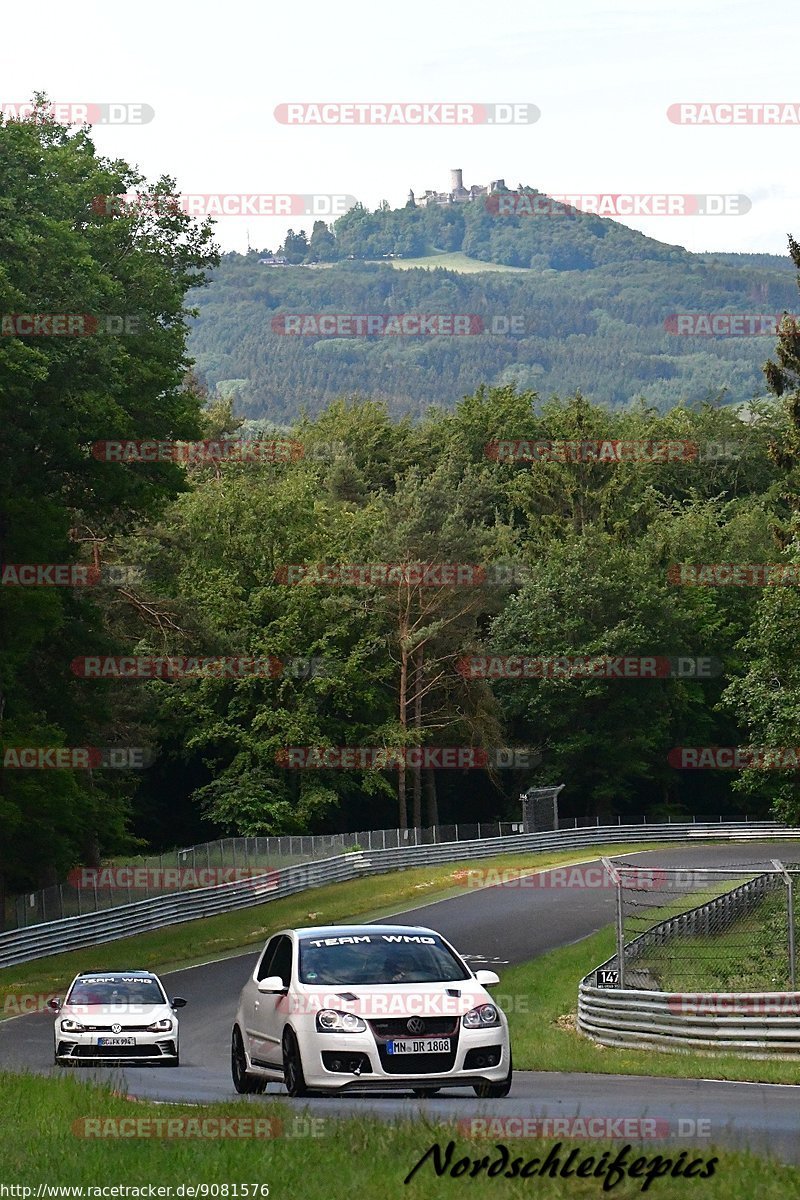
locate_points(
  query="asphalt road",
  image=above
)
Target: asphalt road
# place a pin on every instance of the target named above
(492, 926)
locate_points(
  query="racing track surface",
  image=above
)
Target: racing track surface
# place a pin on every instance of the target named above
(491, 926)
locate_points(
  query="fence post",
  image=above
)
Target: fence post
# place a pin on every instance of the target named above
(790, 901)
(615, 875)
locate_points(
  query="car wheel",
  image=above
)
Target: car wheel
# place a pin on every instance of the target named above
(293, 1075)
(495, 1091)
(173, 1062)
(424, 1092)
(246, 1085)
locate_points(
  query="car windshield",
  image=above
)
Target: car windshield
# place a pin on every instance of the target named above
(378, 958)
(108, 991)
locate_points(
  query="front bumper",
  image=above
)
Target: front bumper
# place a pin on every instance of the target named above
(475, 1056)
(149, 1048)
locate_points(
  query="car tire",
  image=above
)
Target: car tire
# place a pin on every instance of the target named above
(293, 1076)
(495, 1091)
(173, 1062)
(422, 1093)
(246, 1085)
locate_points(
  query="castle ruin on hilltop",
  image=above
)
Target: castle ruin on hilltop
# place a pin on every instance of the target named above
(458, 194)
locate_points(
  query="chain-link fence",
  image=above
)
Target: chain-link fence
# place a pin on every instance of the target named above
(125, 880)
(722, 929)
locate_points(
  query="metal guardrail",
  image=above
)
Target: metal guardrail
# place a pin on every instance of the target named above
(750, 1024)
(55, 937)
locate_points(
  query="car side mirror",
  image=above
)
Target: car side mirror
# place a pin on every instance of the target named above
(177, 1002)
(486, 978)
(55, 1003)
(272, 984)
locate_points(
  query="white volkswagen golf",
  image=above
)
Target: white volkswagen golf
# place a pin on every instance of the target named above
(346, 1007)
(122, 1016)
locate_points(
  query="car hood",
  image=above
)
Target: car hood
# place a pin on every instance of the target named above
(390, 1000)
(110, 1014)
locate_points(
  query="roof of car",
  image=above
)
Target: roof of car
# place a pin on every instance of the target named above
(115, 974)
(349, 930)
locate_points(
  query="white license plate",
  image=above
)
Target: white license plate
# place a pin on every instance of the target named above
(116, 1041)
(419, 1046)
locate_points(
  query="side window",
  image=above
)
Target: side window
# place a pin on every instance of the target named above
(266, 959)
(282, 961)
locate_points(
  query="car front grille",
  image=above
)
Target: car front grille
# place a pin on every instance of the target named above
(397, 1027)
(73, 1050)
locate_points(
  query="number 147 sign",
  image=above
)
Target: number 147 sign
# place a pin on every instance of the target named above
(607, 979)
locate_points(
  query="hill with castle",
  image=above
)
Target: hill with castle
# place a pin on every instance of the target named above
(594, 307)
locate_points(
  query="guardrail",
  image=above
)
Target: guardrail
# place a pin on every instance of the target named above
(751, 1024)
(71, 933)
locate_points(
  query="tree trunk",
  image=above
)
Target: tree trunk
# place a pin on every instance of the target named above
(430, 795)
(402, 810)
(417, 769)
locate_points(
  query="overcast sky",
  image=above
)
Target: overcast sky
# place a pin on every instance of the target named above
(603, 80)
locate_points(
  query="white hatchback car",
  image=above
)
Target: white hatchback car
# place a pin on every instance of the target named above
(119, 1016)
(346, 1007)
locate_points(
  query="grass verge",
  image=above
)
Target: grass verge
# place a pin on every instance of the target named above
(455, 260)
(41, 1142)
(752, 955)
(541, 999)
(199, 941)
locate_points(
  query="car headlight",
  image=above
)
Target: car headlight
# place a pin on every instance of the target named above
(482, 1017)
(162, 1026)
(69, 1026)
(331, 1021)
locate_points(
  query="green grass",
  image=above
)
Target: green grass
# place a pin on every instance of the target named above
(752, 955)
(362, 1158)
(452, 260)
(545, 994)
(199, 941)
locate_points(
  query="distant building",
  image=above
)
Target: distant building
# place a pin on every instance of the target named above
(458, 194)
(275, 260)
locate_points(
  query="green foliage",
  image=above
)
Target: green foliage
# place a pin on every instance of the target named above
(60, 252)
(599, 328)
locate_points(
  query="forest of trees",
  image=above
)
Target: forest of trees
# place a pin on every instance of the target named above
(585, 550)
(603, 329)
